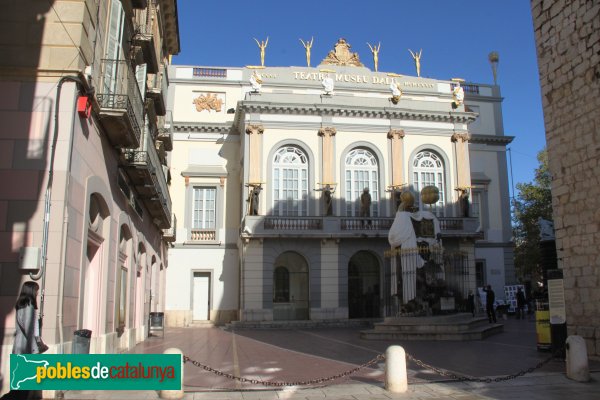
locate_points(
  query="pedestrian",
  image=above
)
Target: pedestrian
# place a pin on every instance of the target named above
(520, 304)
(27, 333)
(490, 299)
(471, 303)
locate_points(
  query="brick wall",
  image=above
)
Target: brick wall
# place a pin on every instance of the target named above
(567, 36)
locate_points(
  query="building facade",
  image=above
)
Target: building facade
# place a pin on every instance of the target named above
(269, 168)
(568, 48)
(85, 210)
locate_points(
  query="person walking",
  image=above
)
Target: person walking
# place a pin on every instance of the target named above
(490, 299)
(471, 303)
(27, 336)
(520, 304)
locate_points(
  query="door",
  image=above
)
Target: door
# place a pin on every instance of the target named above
(201, 296)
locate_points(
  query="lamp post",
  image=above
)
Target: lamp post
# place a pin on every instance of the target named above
(494, 60)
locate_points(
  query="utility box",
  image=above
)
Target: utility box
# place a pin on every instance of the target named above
(29, 258)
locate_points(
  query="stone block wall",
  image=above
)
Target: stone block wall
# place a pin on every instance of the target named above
(567, 34)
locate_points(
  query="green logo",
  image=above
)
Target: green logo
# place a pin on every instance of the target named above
(95, 371)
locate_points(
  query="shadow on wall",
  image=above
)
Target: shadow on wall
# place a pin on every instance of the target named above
(24, 146)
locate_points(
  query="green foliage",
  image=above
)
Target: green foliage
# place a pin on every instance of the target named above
(533, 201)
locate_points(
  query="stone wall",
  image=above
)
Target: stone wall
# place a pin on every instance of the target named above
(567, 36)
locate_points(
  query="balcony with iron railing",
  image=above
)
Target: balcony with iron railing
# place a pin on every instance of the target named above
(120, 102)
(165, 130)
(145, 171)
(146, 34)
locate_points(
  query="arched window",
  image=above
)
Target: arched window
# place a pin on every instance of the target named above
(290, 182)
(362, 171)
(428, 170)
(281, 285)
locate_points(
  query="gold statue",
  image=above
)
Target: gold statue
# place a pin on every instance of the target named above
(417, 58)
(262, 45)
(307, 45)
(375, 51)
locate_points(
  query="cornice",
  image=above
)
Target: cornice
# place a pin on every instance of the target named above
(204, 128)
(492, 140)
(355, 111)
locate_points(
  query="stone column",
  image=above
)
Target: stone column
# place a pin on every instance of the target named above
(254, 152)
(327, 134)
(461, 149)
(397, 138)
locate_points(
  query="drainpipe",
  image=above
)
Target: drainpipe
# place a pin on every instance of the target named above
(41, 274)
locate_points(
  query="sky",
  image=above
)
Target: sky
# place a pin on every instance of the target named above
(455, 37)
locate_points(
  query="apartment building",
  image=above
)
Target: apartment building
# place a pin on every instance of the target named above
(85, 210)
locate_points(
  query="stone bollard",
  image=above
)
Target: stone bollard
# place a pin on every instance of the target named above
(396, 380)
(577, 359)
(173, 394)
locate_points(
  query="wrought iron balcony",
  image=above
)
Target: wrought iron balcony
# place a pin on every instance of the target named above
(120, 101)
(165, 130)
(170, 234)
(344, 227)
(145, 172)
(147, 35)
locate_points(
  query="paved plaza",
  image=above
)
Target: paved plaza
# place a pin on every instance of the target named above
(313, 355)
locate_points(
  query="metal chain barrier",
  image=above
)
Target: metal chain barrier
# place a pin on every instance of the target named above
(380, 357)
(280, 383)
(466, 378)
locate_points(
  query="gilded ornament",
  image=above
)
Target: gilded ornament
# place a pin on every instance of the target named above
(342, 55)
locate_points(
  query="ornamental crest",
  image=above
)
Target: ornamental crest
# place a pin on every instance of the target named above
(342, 55)
(208, 101)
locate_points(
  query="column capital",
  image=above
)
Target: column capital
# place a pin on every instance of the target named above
(396, 134)
(327, 131)
(464, 137)
(255, 128)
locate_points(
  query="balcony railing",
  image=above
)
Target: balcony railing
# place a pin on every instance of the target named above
(145, 171)
(203, 235)
(340, 227)
(120, 101)
(146, 35)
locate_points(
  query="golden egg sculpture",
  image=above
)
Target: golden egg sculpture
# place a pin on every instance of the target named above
(430, 194)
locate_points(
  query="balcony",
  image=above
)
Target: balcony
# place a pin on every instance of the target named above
(170, 234)
(203, 235)
(146, 174)
(344, 227)
(157, 90)
(121, 107)
(165, 130)
(147, 36)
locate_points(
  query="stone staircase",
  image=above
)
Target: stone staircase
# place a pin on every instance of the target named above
(448, 327)
(304, 324)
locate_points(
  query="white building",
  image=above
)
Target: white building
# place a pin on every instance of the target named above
(289, 132)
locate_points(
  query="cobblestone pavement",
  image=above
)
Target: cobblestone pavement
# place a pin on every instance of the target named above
(312, 354)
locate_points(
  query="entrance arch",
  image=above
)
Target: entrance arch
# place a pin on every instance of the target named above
(290, 287)
(364, 286)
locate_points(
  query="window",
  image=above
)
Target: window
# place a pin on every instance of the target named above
(204, 212)
(114, 40)
(479, 273)
(122, 299)
(290, 182)
(281, 285)
(428, 170)
(362, 171)
(476, 206)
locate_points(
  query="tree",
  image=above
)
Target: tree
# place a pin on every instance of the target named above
(533, 201)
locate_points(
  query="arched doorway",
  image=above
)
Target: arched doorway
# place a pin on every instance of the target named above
(363, 286)
(290, 287)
